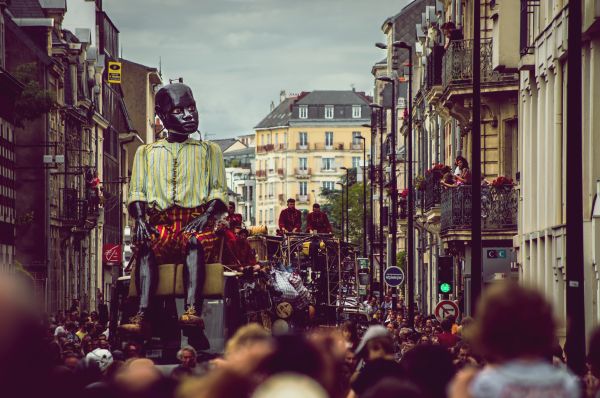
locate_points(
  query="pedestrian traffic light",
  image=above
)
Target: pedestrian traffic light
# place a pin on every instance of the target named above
(445, 274)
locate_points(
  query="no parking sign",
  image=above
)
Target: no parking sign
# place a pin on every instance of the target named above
(446, 308)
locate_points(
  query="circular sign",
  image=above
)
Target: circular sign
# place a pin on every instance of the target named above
(446, 308)
(393, 276)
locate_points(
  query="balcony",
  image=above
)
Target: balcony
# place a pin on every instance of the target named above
(328, 169)
(302, 173)
(78, 212)
(261, 174)
(265, 148)
(433, 190)
(302, 198)
(499, 207)
(458, 65)
(280, 147)
(302, 146)
(335, 146)
(355, 146)
(281, 198)
(281, 173)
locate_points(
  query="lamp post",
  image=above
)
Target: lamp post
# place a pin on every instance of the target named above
(364, 173)
(347, 202)
(411, 198)
(371, 224)
(342, 184)
(379, 112)
(394, 180)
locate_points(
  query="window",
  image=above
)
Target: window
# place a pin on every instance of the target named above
(329, 138)
(303, 187)
(356, 111)
(303, 138)
(328, 163)
(355, 162)
(303, 109)
(276, 139)
(260, 217)
(302, 163)
(271, 215)
(328, 185)
(355, 137)
(328, 111)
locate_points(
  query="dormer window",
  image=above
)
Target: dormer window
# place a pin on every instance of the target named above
(328, 111)
(303, 111)
(356, 111)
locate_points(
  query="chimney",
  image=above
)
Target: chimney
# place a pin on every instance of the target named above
(282, 96)
(272, 105)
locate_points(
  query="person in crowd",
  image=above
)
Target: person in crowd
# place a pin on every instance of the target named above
(515, 332)
(350, 334)
(133, 350)
(317, 221)
(376, 348)
(243, 251)
(392, 387)
(290, 218)
(187, 357)
(430, 367)
(593, 359)
(446, 338)
(234, 219)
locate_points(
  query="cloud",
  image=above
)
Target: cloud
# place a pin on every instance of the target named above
(238, 54)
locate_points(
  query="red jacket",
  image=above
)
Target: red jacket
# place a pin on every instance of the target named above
(318, 222)
(234, 220)
(290, 220)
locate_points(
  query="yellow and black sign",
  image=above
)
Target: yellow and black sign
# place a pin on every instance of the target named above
(114, 72)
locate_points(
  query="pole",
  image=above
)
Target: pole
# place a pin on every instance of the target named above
(364, 171)
(371, 218)
(347, 206)
(476, 163)
(381, 175)
(410, 250)
(574, 197)
(342, 227)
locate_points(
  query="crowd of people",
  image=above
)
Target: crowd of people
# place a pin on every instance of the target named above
(508, 350)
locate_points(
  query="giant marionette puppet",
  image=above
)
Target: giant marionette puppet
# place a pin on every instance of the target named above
(177, 190)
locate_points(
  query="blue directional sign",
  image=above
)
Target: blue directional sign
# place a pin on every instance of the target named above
(393, 276)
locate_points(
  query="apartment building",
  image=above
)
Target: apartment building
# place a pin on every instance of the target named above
(302, 145)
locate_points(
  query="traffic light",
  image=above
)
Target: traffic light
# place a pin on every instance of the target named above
(445, 274)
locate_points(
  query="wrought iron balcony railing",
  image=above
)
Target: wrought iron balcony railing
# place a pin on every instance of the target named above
(458, 64)
(499, 207)
(433, 190)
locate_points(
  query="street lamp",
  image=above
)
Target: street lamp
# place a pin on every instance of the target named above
(379, 108)
(371, 232)
(394, 180)
(342, 185)
(364, 173)
(411, 233)
(347, 203)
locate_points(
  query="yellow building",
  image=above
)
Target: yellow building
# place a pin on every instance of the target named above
(302, 145)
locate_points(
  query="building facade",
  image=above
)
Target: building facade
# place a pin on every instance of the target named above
(302, 145)
(10, 88)
(543, 68)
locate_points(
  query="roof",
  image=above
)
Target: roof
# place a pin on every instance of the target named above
(225, 143)
(26, 9)
(54, 4)
(330, 97)
(148, 68)
(279, 116)
(26, 40)
(241, 152)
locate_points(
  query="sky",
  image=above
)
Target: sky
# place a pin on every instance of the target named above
(237, 55)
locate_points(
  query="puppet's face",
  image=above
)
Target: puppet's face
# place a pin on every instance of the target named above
(176, 108)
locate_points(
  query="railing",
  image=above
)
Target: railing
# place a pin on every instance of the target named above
(265, 148)
(433, 73)
(433, 190)
(499, 207)
(261, 174)
(328, 169)
(302, 147)
(356, 146)
(302, 198)
(334, 146)
(302, 173)
(458, 64)
(281, 172)
(281, 147)
(527, 22)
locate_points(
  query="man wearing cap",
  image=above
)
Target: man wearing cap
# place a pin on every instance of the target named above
(290, 218)
(317, 221)
(234, 219)
(376, 348)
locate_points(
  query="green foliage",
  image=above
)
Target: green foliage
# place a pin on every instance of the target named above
(333, 208)
(34, 101)
(401, 259)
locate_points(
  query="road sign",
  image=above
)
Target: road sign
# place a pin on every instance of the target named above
(363, 263)
(114, 72)
(393, 276)
(446, 308)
